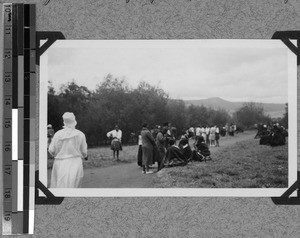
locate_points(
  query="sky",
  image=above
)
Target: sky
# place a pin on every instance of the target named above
(235, 70)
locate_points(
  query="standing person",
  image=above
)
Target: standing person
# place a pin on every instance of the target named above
(116, 144)
(212, 136)
(198, 132)
(140, 153)
(68, 147)
(217, 136)
(160, 143)
(148, 144)
(203, 134)
(167, 134)
(231, 130)
(50, 134)
(207, 130)
(227, 130)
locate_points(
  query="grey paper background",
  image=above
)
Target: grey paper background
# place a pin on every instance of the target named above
(167, 217)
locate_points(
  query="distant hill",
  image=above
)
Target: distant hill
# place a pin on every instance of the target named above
(274, 110)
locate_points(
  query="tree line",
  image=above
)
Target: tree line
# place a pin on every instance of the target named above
(115, 102)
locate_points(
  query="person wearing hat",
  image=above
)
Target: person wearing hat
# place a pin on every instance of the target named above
(68, 147)
(116, 144)
(50, 134)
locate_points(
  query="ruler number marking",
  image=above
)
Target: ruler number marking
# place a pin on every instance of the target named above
(8, 170)
(7, 54)
(7, 101)
(7, 9)
(7, 147)
(7, 217)
(7, 124)
(7, 194)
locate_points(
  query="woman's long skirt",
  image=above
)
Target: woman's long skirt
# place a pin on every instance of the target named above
(140, 156)
(116, 145)
(147, 158)
(67, 173)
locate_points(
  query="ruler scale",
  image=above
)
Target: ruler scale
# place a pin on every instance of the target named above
(19, 85)
(7, 123)
(26, 120)
(14, 129)
(32, 115)
(16, 116)
(29, 119)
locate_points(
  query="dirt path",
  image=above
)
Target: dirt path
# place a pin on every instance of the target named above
(130, 175)
(119, 176)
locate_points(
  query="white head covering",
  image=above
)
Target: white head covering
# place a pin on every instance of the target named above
(69, 120)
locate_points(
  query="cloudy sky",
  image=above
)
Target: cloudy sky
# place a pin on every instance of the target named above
(236, 70)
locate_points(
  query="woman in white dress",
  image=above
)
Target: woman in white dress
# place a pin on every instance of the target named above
(68, 147)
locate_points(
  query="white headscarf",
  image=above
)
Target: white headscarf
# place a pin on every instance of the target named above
(69, 120)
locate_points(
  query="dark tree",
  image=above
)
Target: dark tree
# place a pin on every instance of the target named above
(250, 114)
(54, 112)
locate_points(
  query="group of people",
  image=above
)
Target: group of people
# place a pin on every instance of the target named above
(210, 134)
(273, 135)
(153, 145)
(68, 146)
(159, 146)
(230, 130)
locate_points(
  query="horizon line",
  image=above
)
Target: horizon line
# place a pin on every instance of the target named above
(229, 100)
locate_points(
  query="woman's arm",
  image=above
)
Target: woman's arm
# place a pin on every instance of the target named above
(83, 146)
(151, 138)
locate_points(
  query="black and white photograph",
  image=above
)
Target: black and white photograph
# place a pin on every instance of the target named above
(168, 118)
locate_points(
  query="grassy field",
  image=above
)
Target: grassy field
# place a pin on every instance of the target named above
(244, 164)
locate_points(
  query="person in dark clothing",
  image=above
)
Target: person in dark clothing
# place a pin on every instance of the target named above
(140, 153)
(202, 151)
(274, 138)
(185, 147)
(148, 143)
(174, 156)
(160, 146)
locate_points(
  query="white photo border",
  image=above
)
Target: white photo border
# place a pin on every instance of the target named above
(174, 192)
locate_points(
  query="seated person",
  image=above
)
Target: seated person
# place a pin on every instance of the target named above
(174, 156)
(185, 147)
(201, 149)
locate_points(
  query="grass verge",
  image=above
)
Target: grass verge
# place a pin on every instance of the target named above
(244, 164)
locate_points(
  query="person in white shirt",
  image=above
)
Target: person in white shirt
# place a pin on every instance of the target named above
(203, 132)
(68, 147)
(116, 143)
(198, 131)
